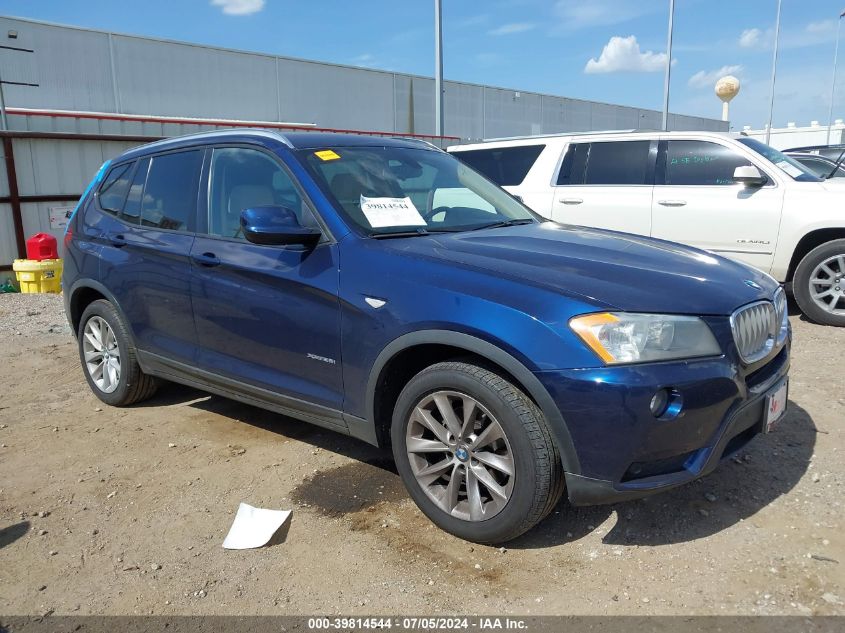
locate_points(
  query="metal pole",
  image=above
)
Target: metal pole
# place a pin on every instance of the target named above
(4, 122)
(833, 81)
(774, 75)
(438, 68)
(668, 67)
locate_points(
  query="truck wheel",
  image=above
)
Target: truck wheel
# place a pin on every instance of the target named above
(475, 453)
(109, 359)
(819, 284)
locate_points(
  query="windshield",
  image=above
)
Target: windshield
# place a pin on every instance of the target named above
(393, 190)
(786, 164)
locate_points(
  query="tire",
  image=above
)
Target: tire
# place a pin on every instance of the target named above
(526, 449)
(131, 385)
(823, 263)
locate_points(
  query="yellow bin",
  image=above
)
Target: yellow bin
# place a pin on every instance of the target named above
(39, 276)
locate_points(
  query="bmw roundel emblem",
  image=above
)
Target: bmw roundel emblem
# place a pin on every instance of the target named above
(462, 454)
(753, 284)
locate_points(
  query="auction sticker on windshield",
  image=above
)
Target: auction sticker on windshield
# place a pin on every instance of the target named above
(384, 212)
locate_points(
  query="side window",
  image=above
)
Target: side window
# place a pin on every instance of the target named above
(701, 163)
(170, 195)
(503, 165)
(132, 208)
(618, 163)
(112, 192)
(573, 165)
(242, 178)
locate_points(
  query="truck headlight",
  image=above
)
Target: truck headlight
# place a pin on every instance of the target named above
(620, 337)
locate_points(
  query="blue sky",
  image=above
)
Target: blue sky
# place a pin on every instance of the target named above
(606, 50)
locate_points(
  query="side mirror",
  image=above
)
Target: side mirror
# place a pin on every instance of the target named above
(749, 176)
(276, 225)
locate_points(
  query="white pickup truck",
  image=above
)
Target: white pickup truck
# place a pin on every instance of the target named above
(730, 195)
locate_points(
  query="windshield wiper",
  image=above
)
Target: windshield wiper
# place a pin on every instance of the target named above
(496, 225)
(415, 233)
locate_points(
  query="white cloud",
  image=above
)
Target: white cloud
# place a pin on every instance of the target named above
(366, 60)
(706, 79)
(239, 7)
(623, 54)
(510, 29)
(750, 38)
(820, 27)
(577, 14)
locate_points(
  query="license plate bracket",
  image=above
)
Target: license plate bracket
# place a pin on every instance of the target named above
(776, 403)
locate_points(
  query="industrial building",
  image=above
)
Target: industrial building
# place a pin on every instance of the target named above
(75, 97)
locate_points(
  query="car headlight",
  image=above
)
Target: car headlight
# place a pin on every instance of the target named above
(782, 312)
(619, 337)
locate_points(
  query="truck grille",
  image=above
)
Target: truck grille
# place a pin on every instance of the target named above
(755, 328)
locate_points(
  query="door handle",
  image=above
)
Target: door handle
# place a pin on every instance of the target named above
(571, 200)
(206, 259)
(118, 240)
(672, 203)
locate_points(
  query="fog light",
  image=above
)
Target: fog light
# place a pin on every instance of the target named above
(659, 403)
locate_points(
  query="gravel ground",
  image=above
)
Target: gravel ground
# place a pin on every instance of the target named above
(123, 511)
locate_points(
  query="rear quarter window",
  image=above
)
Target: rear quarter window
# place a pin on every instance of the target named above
(112, 193)
(503, 165)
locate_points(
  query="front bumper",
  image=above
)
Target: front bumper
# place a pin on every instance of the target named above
(626, 453)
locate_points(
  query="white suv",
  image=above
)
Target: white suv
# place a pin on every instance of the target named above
(730, 195)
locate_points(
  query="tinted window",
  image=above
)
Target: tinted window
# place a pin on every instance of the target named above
(503, 165)
(701, 163)
(617, 163)
(170, 194)
(246, 178)
(132, 208)
(112, 192)
(573, 165)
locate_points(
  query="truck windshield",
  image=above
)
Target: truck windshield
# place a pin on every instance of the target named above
(387, 191)
(786, 164)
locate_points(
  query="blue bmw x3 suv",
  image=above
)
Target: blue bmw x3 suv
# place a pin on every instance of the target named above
(381, 288)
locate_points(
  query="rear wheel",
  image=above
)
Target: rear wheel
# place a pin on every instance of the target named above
(475, 453)
(819, 284)
(109, 358)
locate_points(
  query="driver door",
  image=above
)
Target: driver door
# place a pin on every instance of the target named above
(266, 316)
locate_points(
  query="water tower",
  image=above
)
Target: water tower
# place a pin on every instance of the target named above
(726, 89)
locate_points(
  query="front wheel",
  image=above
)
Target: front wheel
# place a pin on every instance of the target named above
(475, 453)
(819, 284)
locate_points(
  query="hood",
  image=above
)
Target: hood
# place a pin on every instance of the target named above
(609, 269)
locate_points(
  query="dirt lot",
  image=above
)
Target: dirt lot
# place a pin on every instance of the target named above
(123, 511)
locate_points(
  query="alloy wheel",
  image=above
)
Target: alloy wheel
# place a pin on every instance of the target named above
(827, 285)
(102, 355)
(460, 455)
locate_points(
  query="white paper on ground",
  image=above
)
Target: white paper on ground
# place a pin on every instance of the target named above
(383, 212)
(254, 527)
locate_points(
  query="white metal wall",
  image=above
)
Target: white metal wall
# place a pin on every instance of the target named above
(79, 69)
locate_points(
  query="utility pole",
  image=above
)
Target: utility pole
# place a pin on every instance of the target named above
(668, 67)
(833, 81)
(774, 75)
(438, 67)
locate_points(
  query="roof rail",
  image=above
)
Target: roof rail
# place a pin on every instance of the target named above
(553, 134)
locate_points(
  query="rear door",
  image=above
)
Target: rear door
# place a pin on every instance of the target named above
(697, 202)
(266, 316)
(606, 184)
(147, 242)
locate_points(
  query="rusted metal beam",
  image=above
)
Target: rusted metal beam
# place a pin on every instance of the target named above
(14, 195)
(73, 136)
(59, 197)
